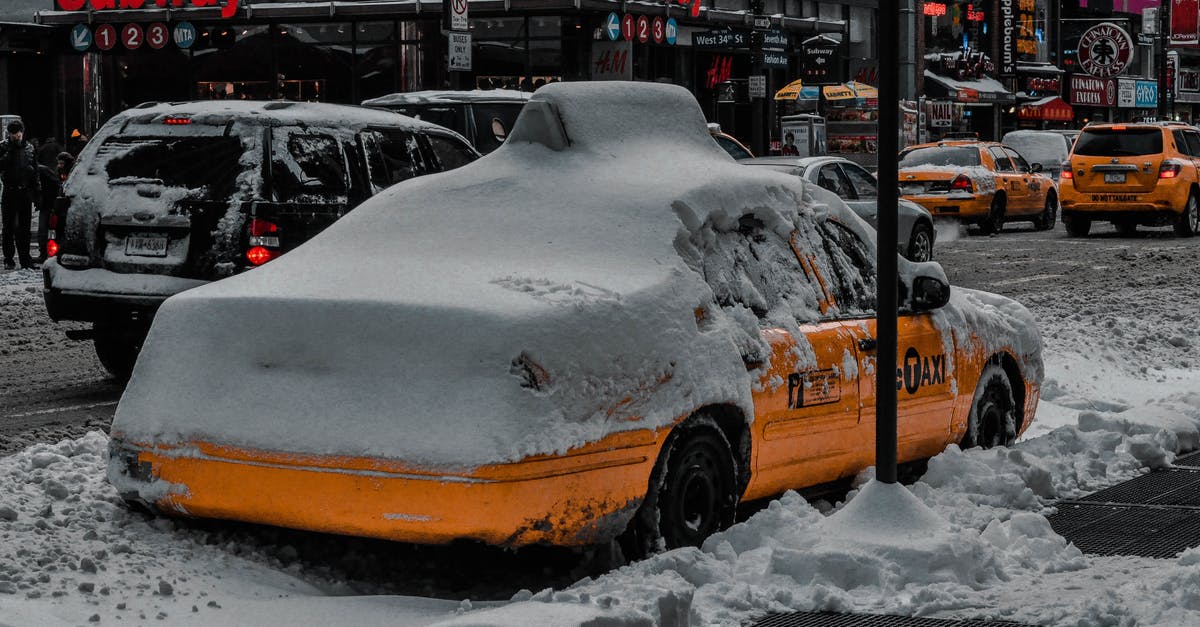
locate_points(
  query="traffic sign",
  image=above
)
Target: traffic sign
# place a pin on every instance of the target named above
(672, 30)
(627, 27)
(612, 27)
(106, 36)
(81, 38)
(460, 51)
(758, 86)
(184, 35)
(657, 30)
(157, 35)
(458, 15)
(762, 22)
(643, 29)
(131, 36)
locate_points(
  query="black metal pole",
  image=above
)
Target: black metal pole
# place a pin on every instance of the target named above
(889, 191)
(1160, 60)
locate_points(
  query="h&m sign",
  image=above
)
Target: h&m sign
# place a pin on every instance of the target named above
(228, 7)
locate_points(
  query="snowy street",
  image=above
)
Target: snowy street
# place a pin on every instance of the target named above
(1121, 395)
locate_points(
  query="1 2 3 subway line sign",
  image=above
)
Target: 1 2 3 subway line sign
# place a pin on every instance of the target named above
(228, 7)
(1105, 50)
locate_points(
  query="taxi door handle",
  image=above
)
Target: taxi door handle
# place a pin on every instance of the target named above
(867, 344)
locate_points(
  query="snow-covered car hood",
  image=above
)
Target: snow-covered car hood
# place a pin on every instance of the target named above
(530, 302)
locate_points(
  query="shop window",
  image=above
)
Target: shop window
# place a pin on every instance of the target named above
(375, 32)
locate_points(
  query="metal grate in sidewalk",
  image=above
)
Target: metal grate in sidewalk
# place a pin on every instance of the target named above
(1142, 530)
(1191, 460)
(833, 619)
(1174, 486)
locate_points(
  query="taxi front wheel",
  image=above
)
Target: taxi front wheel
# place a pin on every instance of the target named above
(993, 418)
(1188, 222)
(692, 493)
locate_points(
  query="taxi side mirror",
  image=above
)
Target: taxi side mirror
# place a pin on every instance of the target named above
(929, 293)
(1035, 168)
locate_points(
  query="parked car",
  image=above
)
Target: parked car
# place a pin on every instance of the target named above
(167, 197)
(729, 143)
(858, 187)
(1133, 174)
(613, 348)
(1047, 148)
(984, 184)
(483, 116)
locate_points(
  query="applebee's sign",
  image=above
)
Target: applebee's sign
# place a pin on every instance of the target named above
(228, 7)
(1105, 50)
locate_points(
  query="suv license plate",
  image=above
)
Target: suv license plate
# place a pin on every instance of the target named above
(146, 246)
(1118, 177)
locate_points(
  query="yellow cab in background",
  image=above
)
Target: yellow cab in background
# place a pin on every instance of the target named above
(1130, 174)
(984, 184)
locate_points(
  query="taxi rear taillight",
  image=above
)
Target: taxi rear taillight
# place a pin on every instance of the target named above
(962, 183)
(263, 241)
(1169, 169)
(1066, 174)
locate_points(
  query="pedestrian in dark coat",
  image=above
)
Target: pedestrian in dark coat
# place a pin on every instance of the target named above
(47, 153)
(18, 173)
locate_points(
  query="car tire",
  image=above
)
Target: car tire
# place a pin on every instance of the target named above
(1188, 222)
(1126, 228)
(993, 418)
(1049, 215)
(692, 492)
(118, 346)
(920, 243)
(994, 222)
(1077, 227)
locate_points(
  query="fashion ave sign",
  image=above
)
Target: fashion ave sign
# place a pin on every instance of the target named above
(228, 7)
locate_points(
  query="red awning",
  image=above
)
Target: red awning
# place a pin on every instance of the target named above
(1052, 109)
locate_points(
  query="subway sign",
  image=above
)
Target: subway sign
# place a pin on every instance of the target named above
(228, 7)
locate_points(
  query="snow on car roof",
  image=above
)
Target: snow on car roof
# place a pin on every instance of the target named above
(407, 329)
(447, 96)
(218, 112)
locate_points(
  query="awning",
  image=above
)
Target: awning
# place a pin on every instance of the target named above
(848, 91)
(1052, 109)
(795, 90)
(983, 90)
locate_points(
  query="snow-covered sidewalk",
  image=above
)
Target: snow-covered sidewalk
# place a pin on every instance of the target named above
(70, 552)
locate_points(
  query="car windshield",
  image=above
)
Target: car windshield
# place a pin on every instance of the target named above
(962, 156)
(210, 164)
(1117, 142)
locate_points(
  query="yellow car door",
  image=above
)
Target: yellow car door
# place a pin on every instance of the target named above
(1008, 179)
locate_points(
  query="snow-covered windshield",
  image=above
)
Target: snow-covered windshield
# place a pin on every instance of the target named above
(1039, 147)
(941, 155)
(209, 165)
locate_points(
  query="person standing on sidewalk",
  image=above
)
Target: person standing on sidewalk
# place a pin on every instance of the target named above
(18, 172)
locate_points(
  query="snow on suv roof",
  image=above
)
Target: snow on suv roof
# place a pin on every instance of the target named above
(579, 245)
(444, 96)
(217, 112)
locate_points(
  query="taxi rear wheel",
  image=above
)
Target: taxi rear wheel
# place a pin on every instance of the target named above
(1049, 215)
(994, 222)
(993, 418)
(1188, 222)
(692, 493)
(1076, 226)
(1126, 228)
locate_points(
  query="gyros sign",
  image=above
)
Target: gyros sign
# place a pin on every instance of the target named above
(228, 7)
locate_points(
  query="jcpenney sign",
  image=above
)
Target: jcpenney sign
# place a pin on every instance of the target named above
(228, 7)
(1008, 40)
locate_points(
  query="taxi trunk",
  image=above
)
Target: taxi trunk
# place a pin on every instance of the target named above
(1118, 160)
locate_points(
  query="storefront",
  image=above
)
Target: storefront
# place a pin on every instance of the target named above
(348, 52)
(965, 79)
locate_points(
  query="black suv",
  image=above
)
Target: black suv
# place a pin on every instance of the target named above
(170, 196)
(483, 116)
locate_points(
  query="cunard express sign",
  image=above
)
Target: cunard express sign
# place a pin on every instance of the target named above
(1105, 50)
(228, 7)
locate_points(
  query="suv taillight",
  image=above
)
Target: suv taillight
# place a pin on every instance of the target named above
(263, 241)
(1066, 174)
(57, 216)
(1169, 169)
(962, 182)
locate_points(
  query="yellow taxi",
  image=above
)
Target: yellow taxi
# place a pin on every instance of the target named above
(1133, 174)
(516, 362)
(985, 184)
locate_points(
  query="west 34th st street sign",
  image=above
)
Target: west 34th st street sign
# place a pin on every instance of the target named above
(228, 7)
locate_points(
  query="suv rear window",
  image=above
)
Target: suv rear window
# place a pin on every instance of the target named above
(963, 156)
(207, 163)
(1106, 142)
